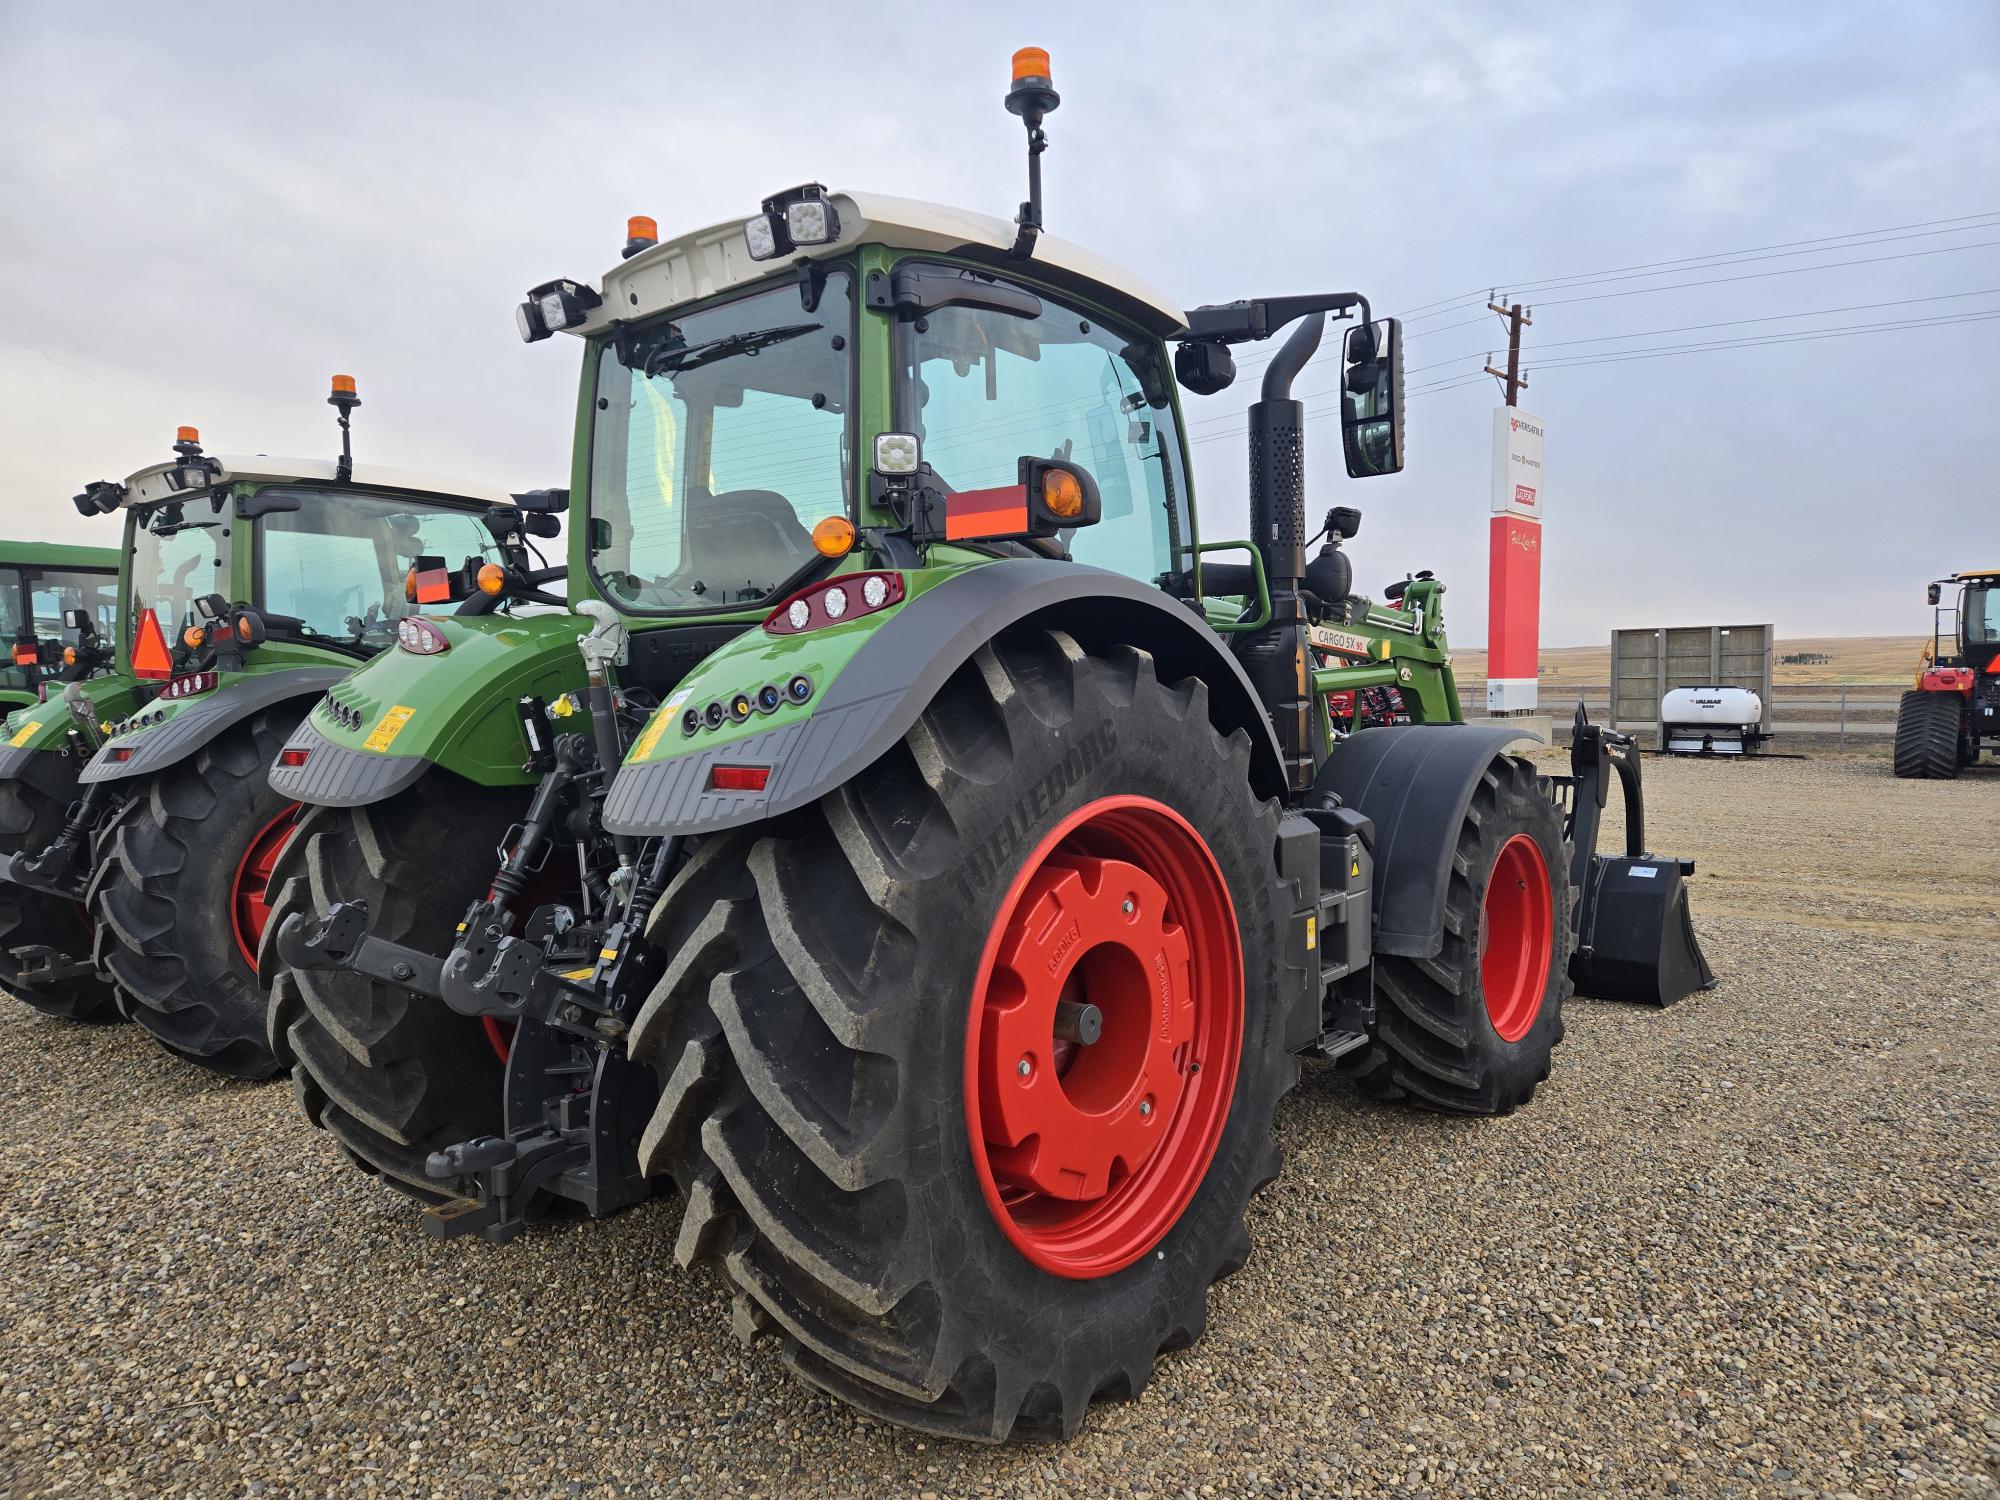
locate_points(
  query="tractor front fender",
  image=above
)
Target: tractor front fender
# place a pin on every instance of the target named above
(187, 725)
(1414, 782)
(666, 785)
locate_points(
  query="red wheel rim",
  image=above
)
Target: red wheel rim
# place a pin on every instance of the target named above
(1516, 937)
(248, 908)
(1088, 1154)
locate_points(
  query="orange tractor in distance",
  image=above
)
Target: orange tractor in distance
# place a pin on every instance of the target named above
(1955, 704)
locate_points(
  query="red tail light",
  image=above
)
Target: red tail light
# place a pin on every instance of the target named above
(26, 653)
(420, 637)
(293, 759)
(738, 778)
(835, 601)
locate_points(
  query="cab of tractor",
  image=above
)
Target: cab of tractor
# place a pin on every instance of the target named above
(249, 586)
(57, 604)
(949, 930)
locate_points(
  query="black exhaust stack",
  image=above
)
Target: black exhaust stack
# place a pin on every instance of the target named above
(1276, 657)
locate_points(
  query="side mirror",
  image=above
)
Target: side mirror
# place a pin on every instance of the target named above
(543, 502)
(1204, 368)
(1934, 593)
(79, 620)
(1371, 407)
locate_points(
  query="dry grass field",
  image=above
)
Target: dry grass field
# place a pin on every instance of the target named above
(1857, 658)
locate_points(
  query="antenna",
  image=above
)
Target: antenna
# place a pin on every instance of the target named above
(344, 400)
(1032, 96)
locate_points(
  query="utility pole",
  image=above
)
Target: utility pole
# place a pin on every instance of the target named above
(1515, 319)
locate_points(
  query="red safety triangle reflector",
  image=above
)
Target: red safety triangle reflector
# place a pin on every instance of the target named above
(150, 656)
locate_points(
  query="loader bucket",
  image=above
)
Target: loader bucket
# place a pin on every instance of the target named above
(1634, 934)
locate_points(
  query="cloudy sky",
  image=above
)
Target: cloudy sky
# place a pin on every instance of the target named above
(206, 209)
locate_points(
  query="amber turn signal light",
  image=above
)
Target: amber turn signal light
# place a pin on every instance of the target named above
(1062, 493)
(834, 537)
(492, 579)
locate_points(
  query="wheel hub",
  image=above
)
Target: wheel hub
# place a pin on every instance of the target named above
(1105, 1032)
(249, 910)
(1516, 937)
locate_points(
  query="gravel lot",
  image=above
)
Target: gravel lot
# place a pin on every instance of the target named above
(1746, 1246)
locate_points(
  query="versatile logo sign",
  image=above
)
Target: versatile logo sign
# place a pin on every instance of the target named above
(1517, 463)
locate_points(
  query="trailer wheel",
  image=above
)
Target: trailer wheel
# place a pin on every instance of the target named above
(1928, 731)
(1472, 1030)
(29, 822)
(176, 896)
(392, 1075)
(950, 1213)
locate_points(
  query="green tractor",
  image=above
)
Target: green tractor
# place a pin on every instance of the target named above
(139, 825)
(57, 605)
(918, 848)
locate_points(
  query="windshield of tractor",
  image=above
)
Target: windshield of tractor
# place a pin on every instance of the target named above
(338, 562)
(1981, 613)
(983, 388)
(180, 552)
(720, 439)
(54, 592)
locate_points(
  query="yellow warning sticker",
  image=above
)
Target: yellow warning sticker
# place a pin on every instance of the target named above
(25, 733)
(578, 974)
(650, 736)
(609, 955)
(1312, 933)
(1356, 870)
(383, 735)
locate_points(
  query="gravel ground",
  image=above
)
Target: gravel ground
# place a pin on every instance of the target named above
(1746, 1246)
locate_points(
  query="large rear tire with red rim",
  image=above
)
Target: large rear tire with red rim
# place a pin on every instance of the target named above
(178, 897)
(948, 1207)
(1473, 1030)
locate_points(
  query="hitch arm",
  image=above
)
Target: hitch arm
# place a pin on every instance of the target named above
(1594, 752)
(341, 940)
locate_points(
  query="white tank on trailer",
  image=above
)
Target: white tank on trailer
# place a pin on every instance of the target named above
(1711, 721)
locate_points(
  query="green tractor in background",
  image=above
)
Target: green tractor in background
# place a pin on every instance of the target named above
(57, 608)
(139, 825)
(917, 846)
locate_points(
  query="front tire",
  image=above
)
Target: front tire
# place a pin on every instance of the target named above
(177, 897)
(1473, 1030)
(29, 822)
(1928, 733)
(836, 1038)
(392, 1075)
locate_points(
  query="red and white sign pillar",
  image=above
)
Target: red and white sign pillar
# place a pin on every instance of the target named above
(1514, 593)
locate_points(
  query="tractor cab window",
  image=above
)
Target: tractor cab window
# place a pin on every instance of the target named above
(1981, 613)
(338, 562)
(720, 438)
(981, 388)
(180, 552)
(54, 592)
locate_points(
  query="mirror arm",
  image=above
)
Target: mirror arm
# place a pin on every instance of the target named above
(1260, 317)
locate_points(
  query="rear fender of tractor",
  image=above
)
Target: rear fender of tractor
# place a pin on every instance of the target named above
(177, 730)
(1415, 782)
(402, 714)
(41, 728)
(870, 680)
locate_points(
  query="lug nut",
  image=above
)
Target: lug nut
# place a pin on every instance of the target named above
(1024, 1067)
(1145, 1107)
(1129, 907)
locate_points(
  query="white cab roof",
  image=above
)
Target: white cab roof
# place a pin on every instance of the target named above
(717, 259)
(150, 483)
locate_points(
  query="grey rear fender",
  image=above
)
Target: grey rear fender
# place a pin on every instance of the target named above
(871, 705)
(153, 750)
(1415, 782)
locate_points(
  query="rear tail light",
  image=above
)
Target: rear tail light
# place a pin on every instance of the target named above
(293, 759)
(837, 599)
(190, 684)
(738, 778)
(420, 637)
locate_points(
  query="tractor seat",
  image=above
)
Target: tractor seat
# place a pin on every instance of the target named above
(743, 537)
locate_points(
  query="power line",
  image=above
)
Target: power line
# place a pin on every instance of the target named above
(1429, 309)
(1872, 260)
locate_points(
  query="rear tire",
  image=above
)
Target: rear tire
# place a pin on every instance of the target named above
(173, 870)
(820, 1030)
(1927, 736)
(1473, 1030)
(391, 1074)
(29, 823)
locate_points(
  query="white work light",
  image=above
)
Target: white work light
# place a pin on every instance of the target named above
(760, 237)
(897, 453)
(812, 222)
